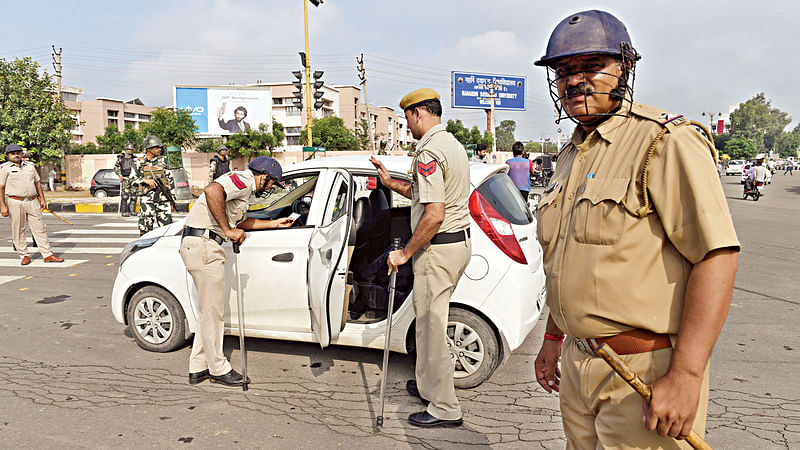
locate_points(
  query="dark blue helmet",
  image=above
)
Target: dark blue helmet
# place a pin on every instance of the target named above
(588, 32)
(13, 148)
(268, 166)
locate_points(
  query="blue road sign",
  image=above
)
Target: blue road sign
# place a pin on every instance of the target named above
(473, 90)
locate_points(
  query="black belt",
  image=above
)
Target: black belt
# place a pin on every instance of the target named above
(450, 238)
(201, 232)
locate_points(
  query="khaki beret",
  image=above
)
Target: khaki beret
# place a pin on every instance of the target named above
(414, 98)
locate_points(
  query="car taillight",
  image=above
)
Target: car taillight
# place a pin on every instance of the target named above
(496, 227)
(93, 182)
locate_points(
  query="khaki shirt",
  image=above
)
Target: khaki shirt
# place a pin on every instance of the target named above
(609, 271)
(239, 187)
(440, 174)
(19, 180)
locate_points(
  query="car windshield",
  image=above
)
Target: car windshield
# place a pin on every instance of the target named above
(279, 198)
(504, 197)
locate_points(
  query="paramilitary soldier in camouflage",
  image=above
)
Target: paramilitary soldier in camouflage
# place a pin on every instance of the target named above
(124, 170)
(220, 164)
(154, 185)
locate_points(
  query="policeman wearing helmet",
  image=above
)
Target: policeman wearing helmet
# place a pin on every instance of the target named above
(639, 249)
(220, 214)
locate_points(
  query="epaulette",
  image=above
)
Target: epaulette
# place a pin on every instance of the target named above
(663, 118)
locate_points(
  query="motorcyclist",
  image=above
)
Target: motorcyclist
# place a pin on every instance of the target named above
(754, 175)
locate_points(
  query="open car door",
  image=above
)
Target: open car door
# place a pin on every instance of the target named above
(329, 259)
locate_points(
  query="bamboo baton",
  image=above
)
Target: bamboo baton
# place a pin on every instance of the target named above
(627, 374)
(62, 219)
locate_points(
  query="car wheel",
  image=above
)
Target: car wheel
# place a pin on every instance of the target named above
(156, 320)
(100, 193)
(473, 346)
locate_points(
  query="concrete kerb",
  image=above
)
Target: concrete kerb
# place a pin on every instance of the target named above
(101, 207)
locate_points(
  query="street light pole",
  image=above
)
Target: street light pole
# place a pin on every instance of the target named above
(309, 111)
(711, 119)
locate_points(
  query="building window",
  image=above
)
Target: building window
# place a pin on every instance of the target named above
(292, 111)
(277, 101)
(144, 117)
(112, 122)
(69, 96)
(292, 130)
(113, 113)
(130, 115)
(292, 140)
(130, 123)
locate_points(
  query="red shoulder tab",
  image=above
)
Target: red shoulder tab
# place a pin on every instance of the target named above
(237, 181)
(426, 169)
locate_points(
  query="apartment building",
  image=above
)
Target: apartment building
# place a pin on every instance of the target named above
(390, 129)
(93, 116)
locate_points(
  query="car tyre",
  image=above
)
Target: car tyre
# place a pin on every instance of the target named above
(473, 346)
(156, 320)
(100, 193)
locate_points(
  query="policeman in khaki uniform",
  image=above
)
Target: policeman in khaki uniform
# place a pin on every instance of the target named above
(21, 197)
(440, 247)
(640, 251)
(155, 209)
(220, 214)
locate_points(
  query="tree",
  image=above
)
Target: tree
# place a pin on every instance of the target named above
(759, 122)
(331, 133)
(741, 148)
(362, 135)
(174, 128)
(112, 141)
(208, 145)
(787, 143)
(30, 115)
(468, 136)
(505, 135)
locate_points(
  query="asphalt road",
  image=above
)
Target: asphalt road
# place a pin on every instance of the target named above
(71, 376)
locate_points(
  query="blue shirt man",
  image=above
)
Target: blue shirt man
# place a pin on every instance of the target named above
(520, 169)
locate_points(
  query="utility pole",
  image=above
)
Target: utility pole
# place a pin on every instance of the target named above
(493, 86)
(57, 67)
(363, 77)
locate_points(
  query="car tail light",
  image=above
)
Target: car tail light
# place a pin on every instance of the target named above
(92, 182)
(496, 227)
(372, 183)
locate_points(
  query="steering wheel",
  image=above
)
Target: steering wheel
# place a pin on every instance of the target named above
(301, 206)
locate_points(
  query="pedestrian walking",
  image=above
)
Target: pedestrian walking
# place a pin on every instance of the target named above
(51, 179)
(640, 252)
(19, 181)
(154, 185)
(789, 166)
(220, 214)
(124, 170)
(520, 170)
(219, 164)
(440, 247)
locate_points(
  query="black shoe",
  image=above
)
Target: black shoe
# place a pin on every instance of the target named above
(198, 377)
(423, 419)
(411, 387)
(231, 378)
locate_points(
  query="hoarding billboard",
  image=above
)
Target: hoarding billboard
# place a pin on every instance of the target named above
(472, 90)
(223, 110)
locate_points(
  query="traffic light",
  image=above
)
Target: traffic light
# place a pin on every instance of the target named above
(298, 84)
(302, 58)
(318, 83)
(316, 2)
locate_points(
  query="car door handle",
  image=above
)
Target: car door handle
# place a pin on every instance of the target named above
(284, 257)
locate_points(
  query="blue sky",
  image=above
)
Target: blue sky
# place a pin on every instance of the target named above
(697, 56)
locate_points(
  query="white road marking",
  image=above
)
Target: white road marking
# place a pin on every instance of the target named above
(132, 225)
(60, 250)
(91, 240)
(7, 262)
(8, 279)
(133, 231)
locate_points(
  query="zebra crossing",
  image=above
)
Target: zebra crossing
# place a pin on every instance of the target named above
(76, 244)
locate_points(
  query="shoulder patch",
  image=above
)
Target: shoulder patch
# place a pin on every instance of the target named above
(426, 169)
(237, 181)
(674, 119)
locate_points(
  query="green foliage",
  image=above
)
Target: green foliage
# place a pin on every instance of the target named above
(787, 143)
(739, 147)
(759, 122)
(174, 128)
(253, 142)
(331, 133)
(112, 141)
(85, 149)
(277, 133)
(30, 115)
(720, 140)
(208, 145)
(536, 147)
(505, 135)
(469, 136)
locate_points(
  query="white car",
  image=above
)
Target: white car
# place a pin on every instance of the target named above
(735, 167)
(324, 279)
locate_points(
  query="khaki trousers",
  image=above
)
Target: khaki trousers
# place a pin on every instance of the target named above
(24, 212)
(600, 410)
(205, 261)
(437, 269)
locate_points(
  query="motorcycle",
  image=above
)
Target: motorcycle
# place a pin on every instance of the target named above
(753, 189)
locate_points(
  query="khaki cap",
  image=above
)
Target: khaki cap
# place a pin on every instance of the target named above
(414, 98)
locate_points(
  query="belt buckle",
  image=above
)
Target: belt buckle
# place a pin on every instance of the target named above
(587, 345)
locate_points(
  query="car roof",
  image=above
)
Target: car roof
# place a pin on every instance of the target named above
(395, 164)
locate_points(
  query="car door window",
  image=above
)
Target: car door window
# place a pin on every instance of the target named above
(296, 196)
(337, 207)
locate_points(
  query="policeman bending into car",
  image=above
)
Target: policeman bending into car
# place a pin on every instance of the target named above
(440, 247)
(220, 214)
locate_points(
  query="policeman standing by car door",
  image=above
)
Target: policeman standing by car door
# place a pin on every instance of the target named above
(220, 214)
(219, 164)
(155, 209)
(440, 247)
(124, 168)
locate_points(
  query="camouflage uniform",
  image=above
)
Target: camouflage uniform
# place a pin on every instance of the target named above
(154, 208)
(127, 190)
